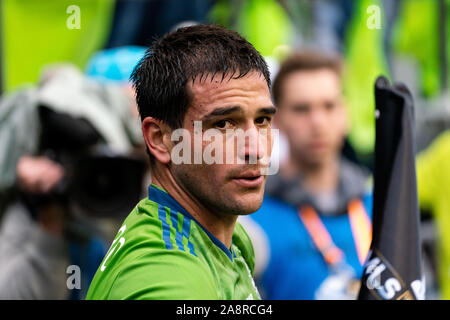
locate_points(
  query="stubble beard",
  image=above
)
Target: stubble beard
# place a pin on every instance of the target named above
(216, 198)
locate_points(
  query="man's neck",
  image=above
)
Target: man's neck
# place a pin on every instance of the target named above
(318, 178)
(220, 225)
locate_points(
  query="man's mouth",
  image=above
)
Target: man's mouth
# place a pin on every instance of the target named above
(318, 144)
(249, 179)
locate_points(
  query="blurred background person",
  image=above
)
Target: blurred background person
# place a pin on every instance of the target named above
(316, 214)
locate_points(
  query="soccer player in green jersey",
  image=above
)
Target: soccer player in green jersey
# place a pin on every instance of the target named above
(183, 241)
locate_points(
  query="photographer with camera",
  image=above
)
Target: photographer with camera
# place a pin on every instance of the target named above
(67, 159)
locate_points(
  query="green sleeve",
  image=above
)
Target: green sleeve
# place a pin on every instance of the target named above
(165, 276)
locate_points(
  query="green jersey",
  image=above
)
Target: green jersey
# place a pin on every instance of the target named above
(162, 252)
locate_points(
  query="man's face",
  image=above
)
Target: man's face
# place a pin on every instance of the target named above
(233, 185)
(312, 116)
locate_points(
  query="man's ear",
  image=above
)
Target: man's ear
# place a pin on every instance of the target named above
(157, 138)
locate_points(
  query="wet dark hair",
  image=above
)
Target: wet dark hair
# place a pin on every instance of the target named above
(160, 78)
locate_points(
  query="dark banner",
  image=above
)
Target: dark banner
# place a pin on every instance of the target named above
(393, 268)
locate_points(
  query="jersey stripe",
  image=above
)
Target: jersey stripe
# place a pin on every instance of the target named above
(165, 227)
(178, 235)
(186, 233)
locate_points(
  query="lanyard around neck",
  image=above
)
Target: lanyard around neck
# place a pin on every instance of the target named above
(361, 227)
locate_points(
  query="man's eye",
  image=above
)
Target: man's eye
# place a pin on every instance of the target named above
(263, 120)
(223, 124)
(329, 105)
(300, 108)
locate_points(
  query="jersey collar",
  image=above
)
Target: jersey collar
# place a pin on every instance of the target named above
(159, 195)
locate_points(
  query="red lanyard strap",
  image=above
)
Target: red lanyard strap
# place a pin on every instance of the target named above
(360, 225)
(361, 228)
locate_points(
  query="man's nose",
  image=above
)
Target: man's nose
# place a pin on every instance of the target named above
(318, 118)
(255, 146)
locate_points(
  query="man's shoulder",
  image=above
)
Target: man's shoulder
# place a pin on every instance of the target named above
(163, 274)
(156, 274)
(142, 229)
(146, 260)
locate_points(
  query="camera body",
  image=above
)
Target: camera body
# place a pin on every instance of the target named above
(97, 181)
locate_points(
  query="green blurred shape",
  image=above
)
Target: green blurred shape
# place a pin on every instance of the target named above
(417, 35)
(365, 61)
(433, 177)
(36, 33)
(264, 23)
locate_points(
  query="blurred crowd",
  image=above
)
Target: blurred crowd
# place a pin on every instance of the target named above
(73, 161)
